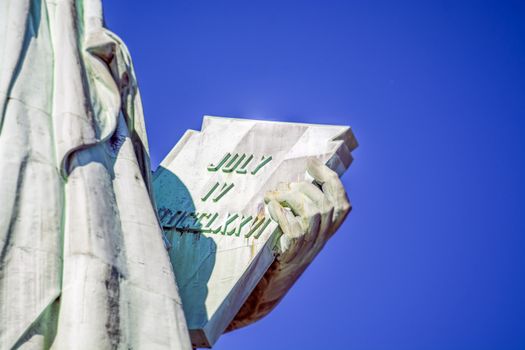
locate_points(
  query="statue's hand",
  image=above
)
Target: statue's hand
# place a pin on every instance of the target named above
(308, 214)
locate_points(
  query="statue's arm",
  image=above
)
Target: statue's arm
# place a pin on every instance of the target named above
(308, 216)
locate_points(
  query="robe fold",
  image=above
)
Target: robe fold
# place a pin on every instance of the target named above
(82, 259)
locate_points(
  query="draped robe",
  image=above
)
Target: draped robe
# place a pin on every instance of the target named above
(82, 260)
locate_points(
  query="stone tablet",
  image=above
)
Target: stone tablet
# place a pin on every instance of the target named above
(209, 192)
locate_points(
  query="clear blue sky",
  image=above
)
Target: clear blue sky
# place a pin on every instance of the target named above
(433, 254)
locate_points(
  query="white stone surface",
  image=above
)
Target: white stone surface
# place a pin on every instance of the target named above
(82, 261)
(210, 193)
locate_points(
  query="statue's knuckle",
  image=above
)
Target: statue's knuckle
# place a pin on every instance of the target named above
(346, 207)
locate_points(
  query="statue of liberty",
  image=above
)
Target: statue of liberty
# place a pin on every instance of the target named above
(83, 264)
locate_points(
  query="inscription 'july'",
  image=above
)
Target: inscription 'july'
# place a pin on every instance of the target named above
(239, 163)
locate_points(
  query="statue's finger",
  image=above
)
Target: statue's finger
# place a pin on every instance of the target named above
(332, 187)
(286, 220)
(292, 239)
(318, 170)
(324, 206)
(337, 195)
(314, 194)
(297, 201)
(303, 207)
